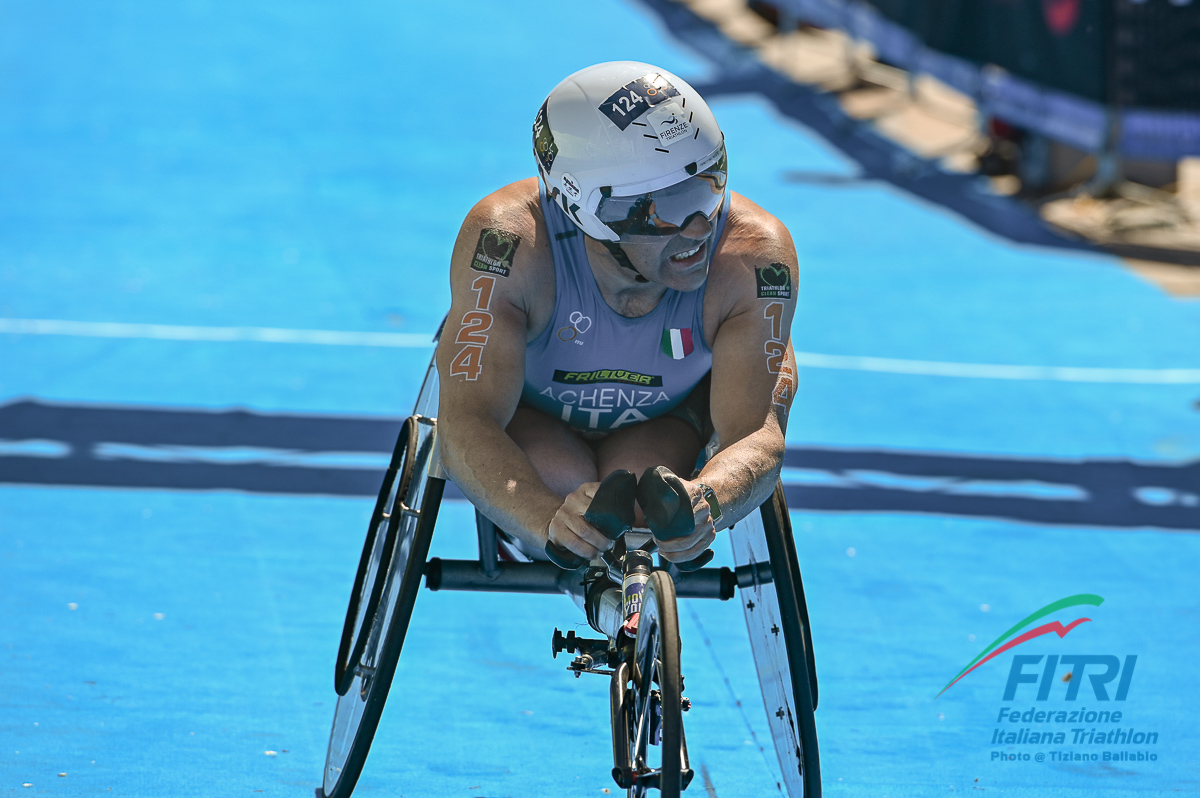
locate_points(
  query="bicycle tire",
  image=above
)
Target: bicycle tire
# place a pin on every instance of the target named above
(776, 617)
(656, 661)
(358, 711)
(789, 545)
(375, 560)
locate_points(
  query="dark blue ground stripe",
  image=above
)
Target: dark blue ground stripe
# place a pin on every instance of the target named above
(1079, 492)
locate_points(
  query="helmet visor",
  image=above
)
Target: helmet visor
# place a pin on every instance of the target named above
(668, 210)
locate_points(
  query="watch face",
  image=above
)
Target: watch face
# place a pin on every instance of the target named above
(714, 507)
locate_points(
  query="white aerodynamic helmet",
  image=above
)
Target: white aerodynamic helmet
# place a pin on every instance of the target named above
(628, 149)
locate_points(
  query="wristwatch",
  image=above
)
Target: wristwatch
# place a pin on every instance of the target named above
(714, 506)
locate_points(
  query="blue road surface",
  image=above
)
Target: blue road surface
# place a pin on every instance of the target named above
(224, 235)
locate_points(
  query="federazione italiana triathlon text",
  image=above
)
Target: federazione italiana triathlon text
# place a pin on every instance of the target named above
(1077, 735)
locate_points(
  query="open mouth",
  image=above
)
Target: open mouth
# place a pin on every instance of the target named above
(690, 257)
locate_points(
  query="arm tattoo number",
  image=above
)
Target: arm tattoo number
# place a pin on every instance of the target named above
(774, 312)
(474, 324)
(483, 285)
(776, 351)
(472, 331)
(467, 363)
(774, 348)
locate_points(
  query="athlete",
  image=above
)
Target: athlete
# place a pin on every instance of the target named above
(613, 313)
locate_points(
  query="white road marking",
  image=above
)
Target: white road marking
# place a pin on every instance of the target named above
(989, 371)
(882, 365)
(238, 455)
(176, 332)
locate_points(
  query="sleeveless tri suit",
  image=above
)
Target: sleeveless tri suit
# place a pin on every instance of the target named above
(598, 370)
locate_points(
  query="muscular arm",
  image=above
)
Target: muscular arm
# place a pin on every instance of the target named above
(751, 395)
(753, 379)
(481, 363)
(498, 272)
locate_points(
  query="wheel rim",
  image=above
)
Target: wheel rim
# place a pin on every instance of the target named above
(376, 557)
(655, 735)
(773, 608)
(382, 633)
(352, 706)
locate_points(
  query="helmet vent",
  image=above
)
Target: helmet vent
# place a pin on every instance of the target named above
(660, 149)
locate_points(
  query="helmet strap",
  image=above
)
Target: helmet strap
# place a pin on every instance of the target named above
(622, 259)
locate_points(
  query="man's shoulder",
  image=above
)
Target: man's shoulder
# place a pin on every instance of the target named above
(505, 233)
(756, 257)
(751, 230)
(515, 207)
(504, 236)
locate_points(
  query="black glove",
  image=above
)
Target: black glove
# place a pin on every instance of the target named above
(610, 511)
(668, 509)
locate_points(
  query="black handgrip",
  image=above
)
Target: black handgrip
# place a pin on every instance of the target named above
(563, 558)
(610, 511)
(668, 509)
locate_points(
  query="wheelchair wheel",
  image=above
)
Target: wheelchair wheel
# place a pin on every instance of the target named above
(379, 633)
(772, 597)
(653, 706)
(375, 560)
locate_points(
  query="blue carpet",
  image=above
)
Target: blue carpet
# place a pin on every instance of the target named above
(306, 166)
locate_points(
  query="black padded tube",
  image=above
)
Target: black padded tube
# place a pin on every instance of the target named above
(545, 577)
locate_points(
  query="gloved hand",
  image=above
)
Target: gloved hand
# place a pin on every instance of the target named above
(679, 518)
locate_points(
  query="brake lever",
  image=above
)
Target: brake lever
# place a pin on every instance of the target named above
(668, 510)
(610, 511)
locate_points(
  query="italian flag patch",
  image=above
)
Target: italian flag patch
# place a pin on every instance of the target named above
(677, 344)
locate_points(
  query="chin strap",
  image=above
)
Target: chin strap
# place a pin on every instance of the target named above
(622, 259)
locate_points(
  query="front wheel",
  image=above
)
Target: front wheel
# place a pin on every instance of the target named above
(654, 709)
(772, 597)
(377, 637)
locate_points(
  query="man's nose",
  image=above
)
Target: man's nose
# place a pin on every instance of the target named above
(698, 227)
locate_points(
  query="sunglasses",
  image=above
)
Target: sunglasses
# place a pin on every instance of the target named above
(669, 210)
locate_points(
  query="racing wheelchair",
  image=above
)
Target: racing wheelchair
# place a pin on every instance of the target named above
(639, 653)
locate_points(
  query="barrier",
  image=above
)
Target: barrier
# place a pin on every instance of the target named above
(1121, 77)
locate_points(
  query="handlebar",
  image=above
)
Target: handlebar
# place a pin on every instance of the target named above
(665, 503)
(668, 510)
(610, 511)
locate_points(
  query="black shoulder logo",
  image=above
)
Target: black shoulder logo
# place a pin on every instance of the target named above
(774, 281)
(495, 250)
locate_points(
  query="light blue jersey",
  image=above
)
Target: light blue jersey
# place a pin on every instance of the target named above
(598, 370)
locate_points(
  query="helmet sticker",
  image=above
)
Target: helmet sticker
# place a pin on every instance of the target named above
(494, 252)
(670, 122)
(635, 98)
(571, 186)
(543, 140)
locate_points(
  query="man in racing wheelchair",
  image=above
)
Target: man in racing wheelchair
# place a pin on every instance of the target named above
(613, 313)
(606, 321)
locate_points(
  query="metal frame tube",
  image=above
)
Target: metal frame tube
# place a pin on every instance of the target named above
(619, 713)
(545, 577)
